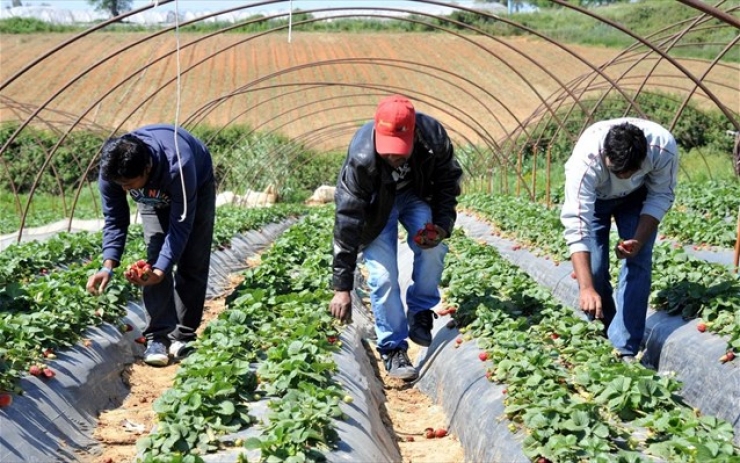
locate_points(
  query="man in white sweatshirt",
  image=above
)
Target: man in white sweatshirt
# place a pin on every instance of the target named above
(623, 169)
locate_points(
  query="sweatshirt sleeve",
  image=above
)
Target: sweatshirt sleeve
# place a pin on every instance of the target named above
(182, 212)
(661, 181)
(581, 180)
(117, 218)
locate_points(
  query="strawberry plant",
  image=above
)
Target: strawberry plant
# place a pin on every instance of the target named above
(276, 319)
(574, 398)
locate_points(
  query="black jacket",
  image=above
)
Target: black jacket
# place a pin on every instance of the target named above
(366, 191)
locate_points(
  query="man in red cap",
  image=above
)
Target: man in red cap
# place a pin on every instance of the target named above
(399, 168)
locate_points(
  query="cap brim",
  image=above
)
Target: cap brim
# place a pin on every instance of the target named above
(391, 145)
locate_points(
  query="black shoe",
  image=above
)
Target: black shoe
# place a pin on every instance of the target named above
(398, 365)
(420, 327)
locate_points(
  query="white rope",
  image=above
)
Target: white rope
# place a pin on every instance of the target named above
(290, 20)
(177, 111)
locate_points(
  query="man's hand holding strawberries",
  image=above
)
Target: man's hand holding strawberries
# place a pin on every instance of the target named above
(140, 273)
(429, 236)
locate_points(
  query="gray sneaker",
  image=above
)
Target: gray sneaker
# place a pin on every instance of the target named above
(156, 354)
(180, 349)
(398, 365)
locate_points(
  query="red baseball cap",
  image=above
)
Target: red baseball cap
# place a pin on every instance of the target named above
(395, 119)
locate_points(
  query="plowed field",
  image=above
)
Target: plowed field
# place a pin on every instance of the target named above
(319, 87)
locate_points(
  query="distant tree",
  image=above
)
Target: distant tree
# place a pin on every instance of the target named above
(17, 3)
(518, 4)
(114, 7)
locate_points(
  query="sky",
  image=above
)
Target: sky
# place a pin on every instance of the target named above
(215, 5)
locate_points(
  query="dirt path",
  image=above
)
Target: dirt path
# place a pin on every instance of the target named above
(408, 413)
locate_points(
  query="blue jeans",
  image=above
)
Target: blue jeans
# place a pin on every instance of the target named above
(624, 319)
(381, 260)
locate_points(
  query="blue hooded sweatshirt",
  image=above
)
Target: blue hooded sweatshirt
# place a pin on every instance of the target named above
(164, 189)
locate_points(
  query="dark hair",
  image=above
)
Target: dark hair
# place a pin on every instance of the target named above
(124, 158)
(626, 147)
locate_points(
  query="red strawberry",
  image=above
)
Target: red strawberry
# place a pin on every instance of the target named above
(459, 340)
(331, 339)
(141, 263)
(35, 370)
(409, 438)
(554, 336)
(432, 235)
(728, 357)
(702, 327)
(49, 373)
(627, 247)
(483, 356)
(6, 400)
(441, 432)
(141, 340)
(430, 227)
(429, 433)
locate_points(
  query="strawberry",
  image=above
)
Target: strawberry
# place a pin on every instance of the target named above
(483, 356)
(140, 340)
(409, 438)
(139, 269)
(429, 433)
(348, 399)
(702, 327)
(6, 400)
(458, 340)
(126, 327)
(554, 336)
(625, 246)
(49, 373)
(439, 433)
(728, 357)
(35, 370)
(427, 235)
(447, 311)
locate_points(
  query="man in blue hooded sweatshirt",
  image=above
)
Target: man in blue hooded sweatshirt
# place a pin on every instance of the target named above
(172, 182)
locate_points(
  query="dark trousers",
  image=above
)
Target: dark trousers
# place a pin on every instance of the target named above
(175, 306)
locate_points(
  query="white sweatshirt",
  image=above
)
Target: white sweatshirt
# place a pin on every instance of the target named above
(587, 178)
